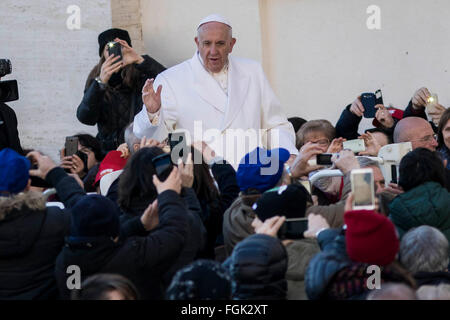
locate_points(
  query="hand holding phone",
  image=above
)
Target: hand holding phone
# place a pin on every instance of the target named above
(173, 182)
(293, 229)
(369, 101)
(163, 166)
(71, 146)
(356, 145)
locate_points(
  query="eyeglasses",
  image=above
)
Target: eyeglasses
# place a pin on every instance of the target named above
(322, 142)
(427, 138)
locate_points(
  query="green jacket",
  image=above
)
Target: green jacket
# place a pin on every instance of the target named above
(427, 204)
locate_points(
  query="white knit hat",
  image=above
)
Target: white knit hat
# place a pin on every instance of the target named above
(214, 18)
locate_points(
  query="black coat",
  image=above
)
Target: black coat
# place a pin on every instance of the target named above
(113, 116)
(9, 136)
(143, 260)
(258, 268)
(212, 212)
(31, 237)
(196, 234)
(326, 264)
(348, 123)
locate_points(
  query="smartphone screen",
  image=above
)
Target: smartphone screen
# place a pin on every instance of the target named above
(71, 146)
(293, 228)
(368, 100)
(363, 189)
(324, 159)
(163, 166)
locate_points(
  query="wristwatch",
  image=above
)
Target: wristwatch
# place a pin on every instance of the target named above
(100, 83)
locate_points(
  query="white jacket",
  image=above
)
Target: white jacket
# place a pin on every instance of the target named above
(190, 94)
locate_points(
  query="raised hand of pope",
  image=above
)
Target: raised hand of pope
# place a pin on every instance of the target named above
(151, 99)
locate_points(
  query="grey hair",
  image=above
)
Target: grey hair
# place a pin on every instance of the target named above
(130, 138)
(365, 162)
(424, 249)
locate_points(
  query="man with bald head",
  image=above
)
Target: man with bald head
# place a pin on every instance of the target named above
(217, 97)
(419, 132)
(416, 130)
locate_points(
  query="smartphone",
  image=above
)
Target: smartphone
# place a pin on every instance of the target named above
(178, 146)
(363, 189)
(163, 166)
(115, 48)
(432, 102)
(369, 101)
(71, 146)
(356, 145)
(293, 228)
(324, 159)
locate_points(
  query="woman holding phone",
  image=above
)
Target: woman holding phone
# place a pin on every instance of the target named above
(113, 91)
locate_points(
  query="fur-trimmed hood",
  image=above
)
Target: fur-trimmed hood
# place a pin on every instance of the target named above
(31, 200)
(21, 219)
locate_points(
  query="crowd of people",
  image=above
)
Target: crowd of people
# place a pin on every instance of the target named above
(209, 229)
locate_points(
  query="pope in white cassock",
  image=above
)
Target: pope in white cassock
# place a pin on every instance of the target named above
(223, 100)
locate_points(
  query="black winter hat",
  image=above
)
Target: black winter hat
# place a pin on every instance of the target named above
(109, 35)
(201, 280)
(94, 216)
(289, 201)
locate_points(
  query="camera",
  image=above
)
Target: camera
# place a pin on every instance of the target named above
(8, 89)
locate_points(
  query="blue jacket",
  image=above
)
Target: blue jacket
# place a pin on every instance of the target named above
(327, 263)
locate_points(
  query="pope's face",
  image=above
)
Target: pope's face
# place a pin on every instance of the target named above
(214, 43)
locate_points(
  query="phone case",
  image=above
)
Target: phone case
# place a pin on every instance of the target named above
(116, 49)
(368, 102)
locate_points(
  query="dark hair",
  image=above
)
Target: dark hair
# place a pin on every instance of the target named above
(381, 130)
(136, 180)
(297, 123)
(442, 123)
(203, 185)
(88, 141)
(419, 166)
(98, 287)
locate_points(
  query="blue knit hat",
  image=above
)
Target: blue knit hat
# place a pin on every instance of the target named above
(261, 169)
(14, 171)
(94, 216)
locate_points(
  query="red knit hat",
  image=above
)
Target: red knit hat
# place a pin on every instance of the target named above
(370, 237)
